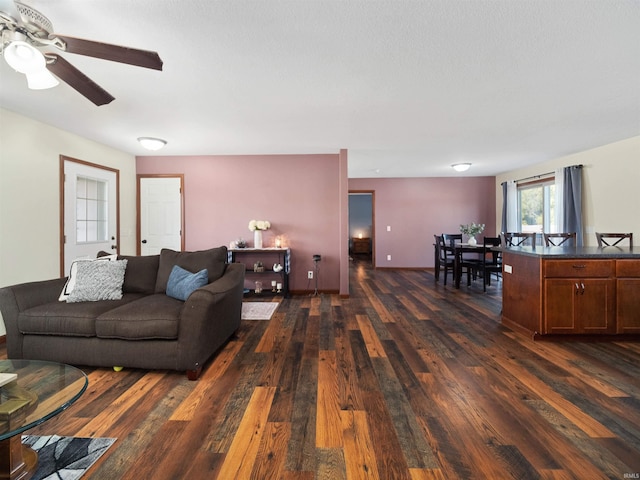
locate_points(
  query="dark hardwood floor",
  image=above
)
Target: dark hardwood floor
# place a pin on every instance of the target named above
(406, 379)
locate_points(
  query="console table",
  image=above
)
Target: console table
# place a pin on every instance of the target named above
(571, 290)
(269, 257)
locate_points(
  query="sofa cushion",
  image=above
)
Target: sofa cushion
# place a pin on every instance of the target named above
(150, 317)
(183, 283)
(141, 273)
(214, 260)
(67, 319)
(98, 281)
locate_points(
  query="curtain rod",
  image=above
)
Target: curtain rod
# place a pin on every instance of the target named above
(535, 177)
(543, 174)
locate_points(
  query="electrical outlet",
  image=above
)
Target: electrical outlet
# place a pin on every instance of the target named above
(388, 258)
(310, 274)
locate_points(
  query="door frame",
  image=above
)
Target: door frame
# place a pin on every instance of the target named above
(64, 158)
(139, 211)
(373, 222)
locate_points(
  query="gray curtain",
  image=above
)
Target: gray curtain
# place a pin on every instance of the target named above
(572, 203)
(504, 207)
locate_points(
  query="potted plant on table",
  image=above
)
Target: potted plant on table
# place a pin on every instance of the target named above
(472, 229)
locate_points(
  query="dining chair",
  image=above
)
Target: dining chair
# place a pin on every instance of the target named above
(491, 260)
(603, 237)
(557, 239)
(445, 257)
(451, 238)
(519, 239)
(436, 261)
(469, 265)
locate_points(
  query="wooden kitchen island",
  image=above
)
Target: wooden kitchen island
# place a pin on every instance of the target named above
(572, 290)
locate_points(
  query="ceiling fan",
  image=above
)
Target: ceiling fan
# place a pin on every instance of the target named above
(25, 32)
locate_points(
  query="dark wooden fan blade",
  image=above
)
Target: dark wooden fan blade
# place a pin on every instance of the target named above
(78, 80)
(115, 53)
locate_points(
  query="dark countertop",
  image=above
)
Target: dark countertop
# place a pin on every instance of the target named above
(574, 252)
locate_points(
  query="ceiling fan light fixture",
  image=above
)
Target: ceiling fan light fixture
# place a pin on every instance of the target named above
(30, 61)
(24, 58)
(151, 143)
(461, 167)
(41, 80)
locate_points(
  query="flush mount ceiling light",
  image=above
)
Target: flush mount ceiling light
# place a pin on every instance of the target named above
(27, 59)
(151, 143)
(461, 167)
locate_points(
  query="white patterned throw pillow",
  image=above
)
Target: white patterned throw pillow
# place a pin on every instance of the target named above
(73, 274)
(98, 281)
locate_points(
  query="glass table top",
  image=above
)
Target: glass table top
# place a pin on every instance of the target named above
(39, 391)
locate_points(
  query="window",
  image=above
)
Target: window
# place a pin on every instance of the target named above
(536, 206)
(91, 210)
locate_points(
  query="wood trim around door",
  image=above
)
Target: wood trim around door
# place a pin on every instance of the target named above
(138, 214)
(64, 158)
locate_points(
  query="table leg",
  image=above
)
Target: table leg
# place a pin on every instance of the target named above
(436, 261)
(17, 461)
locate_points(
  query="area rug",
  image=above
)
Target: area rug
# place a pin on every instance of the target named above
(258, 310)
(65, 458)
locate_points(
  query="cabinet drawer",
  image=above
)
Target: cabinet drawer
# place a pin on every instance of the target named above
(627, 268)
(578, 268)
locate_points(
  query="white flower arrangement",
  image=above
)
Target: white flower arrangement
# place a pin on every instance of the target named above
(259, 225)
(472, 229)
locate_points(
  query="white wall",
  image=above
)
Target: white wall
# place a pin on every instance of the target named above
(611, 180)
(30, 198)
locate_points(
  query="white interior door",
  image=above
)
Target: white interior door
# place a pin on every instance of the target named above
(90, 211)
(160, 214)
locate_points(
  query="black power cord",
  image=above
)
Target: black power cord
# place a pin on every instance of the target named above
(316, 262)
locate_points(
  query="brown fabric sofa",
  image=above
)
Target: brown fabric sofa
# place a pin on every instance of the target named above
(145, 329)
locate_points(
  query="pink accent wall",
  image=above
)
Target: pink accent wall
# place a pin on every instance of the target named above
(419, 208)
(298, 194)
(305, 199)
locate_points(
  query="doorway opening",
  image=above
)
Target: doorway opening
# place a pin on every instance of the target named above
(362, 224)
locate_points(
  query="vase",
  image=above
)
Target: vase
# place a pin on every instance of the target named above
(257, 239)
(472, 241)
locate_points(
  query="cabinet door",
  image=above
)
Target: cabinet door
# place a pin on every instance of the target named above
(628, 305)
(560, 297)
(596, 307)
(579, 305)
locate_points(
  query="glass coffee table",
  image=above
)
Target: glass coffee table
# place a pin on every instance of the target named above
(31, 392)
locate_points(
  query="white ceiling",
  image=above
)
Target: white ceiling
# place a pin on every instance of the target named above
(408, 87)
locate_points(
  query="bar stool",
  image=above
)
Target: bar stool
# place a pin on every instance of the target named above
(557, 239)
(519, 239)
(603, 237)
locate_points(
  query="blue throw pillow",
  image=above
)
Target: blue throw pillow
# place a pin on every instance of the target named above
(182, 283)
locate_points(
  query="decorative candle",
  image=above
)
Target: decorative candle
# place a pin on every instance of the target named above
(279, 286)
(278, 242)
(273, 283)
